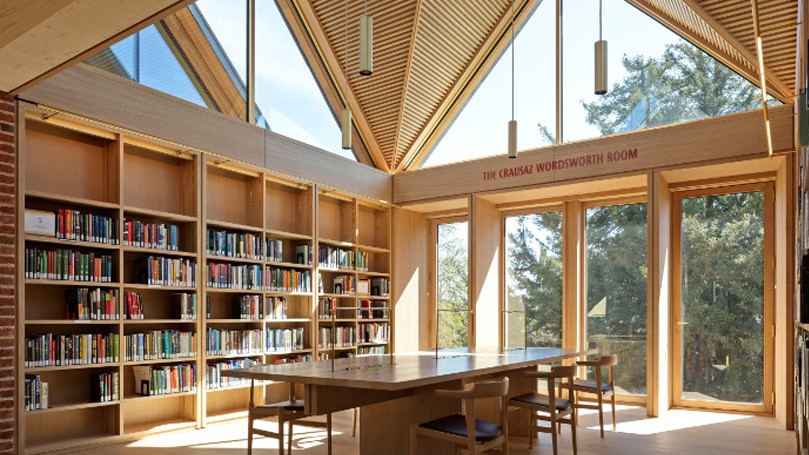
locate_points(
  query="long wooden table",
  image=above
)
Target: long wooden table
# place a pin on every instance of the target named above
(396, 391)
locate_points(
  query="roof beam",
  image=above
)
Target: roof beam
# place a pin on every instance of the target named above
(330, 73)
(464, 86)
(408, 77)
(747, 66)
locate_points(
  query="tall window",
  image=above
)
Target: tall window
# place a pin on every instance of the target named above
(534, 280)
(616, 272)
(452, 283)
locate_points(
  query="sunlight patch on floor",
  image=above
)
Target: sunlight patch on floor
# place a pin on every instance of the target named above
(675, 419)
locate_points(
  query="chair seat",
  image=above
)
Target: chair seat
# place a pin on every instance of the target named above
(456, 424)
(589, 385)
(296, 405)
(538, 399)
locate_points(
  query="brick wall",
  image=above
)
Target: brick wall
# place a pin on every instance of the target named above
(8, 231)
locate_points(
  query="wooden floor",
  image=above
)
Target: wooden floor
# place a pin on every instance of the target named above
(680, 432)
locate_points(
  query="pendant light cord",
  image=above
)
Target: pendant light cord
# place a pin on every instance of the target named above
(600, 18)
(345, 54)
(512, 59)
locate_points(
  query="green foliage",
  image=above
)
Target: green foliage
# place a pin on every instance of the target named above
(723, 296)
(534, 265)
(684, 84)
(453, 285)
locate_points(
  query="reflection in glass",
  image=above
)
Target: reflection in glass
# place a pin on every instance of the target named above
(616, 269)
(452, 284)
(723, 298)
(534, 280)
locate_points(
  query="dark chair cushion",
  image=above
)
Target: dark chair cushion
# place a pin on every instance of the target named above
(296, 405)
(589, 385)
(537, 399)
(456, 424)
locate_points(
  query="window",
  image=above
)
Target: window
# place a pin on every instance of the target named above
(616, 273)
(533, 259)
(452, 284)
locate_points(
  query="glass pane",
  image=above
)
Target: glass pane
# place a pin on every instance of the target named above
(534, 280)
(616, 270)
(658, 80)
(481, 129)
(288, 97)
(453, 285)
(723, 298)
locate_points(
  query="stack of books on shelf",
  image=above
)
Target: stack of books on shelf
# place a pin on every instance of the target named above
(67, 264)
(184, 306)
(336, 258)
(234, 244)
(344, 337)
(362, 261)
(92, 304)
(345, 284)
(372, 332)
(236, 276)
(157, 236)
(164, 380)
(303, 254)
(249, 307)
(275, 250)
(326, 306)
(104, 387)
(380, 286)
(213, 374)
(289, 280)
(284, 340)
(86, 227)
(159, 344)
(278, 307)
(49, 350)
(36, 393)
(229, 342)
(164, 271)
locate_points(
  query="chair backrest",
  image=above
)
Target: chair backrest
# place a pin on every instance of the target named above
(482, 389)
(557, 372)
(604, 361)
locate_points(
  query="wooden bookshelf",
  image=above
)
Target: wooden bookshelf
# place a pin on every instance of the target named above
(163, 203)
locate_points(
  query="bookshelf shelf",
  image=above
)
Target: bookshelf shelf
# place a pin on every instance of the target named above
(67, 200)
(284, 222)
(157, 251)
(72, 407)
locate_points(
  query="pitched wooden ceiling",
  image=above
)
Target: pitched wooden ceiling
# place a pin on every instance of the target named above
(429, 54)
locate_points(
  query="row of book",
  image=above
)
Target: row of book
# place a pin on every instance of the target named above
(86, 227)
(165, 271)
(345, 284)
(289, 280)
(183, 305)
(344, 336)
(164, 380)
(214, 378)
(36, 393)
(284, 340)
(236, 276)
(234, 244)
(372, 350)
(373, 332)
(92, 304)
(159, 344)
(380, 286)
(335, 258)
(47, 349)
(258, 307)
(365, 309)
(104, 387)
(275, 252)
(228, 342)
(67, 264)
(157, 236)
(294, 358)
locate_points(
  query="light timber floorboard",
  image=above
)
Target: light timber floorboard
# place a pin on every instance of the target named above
(679, 432)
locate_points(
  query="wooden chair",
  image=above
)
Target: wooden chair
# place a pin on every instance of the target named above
(550, 407)
(598, 387)
(465, 430)
(286, 411)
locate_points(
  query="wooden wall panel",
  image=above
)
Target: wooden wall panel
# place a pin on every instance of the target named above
(784, 308)
(95, 94)
(731, 136)
(410, 265)
(484, 284)
(658, 398)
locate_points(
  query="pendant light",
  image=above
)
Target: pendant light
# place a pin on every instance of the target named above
(512, 125)
(600, 58)
(345, 116)
(366, 43)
